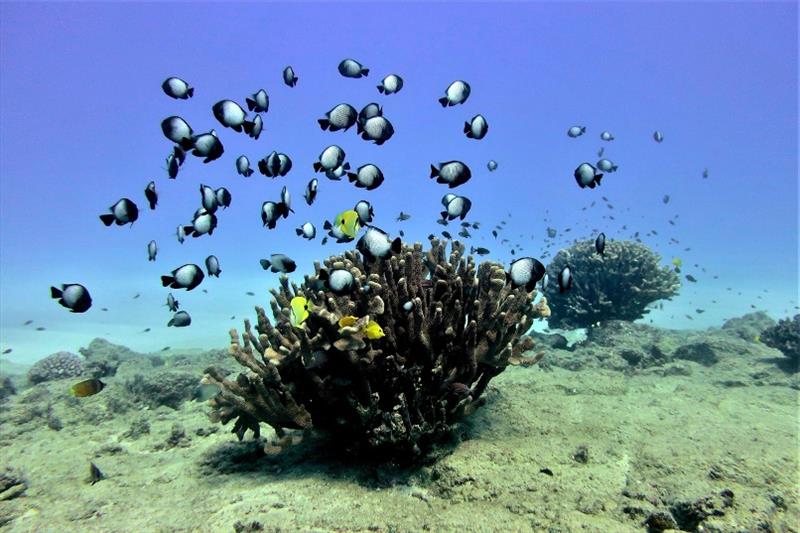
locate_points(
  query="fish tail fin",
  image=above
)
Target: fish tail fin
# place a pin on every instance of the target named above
(248, 173)
(324, 123)
(248, 126)
(380, 89)
(352, 176)
(359, 128)
(467, 128)
(444, 215)
(171, 322)
(55, 293)
(365, 71)
(190, 92)
(294, 81)
(299, 231)
(346, 166)
(166, 280)
(186, 144)
(317, 166)
(397, 245)
(434, 172)
(265, 263)
(251, 104)
(598, 178)
(107, 219)
(443, 101)
(327, 225)
(323, 274)
(188, 230)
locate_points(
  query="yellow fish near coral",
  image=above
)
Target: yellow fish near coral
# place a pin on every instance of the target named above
(86, 388)
(677, 262)
(371, 330)
(348, 222)
(346, 321)
(299, 311)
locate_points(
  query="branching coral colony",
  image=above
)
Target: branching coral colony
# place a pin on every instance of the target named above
(448, 327)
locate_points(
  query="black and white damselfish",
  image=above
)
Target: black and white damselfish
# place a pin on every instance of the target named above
(73, 296)
(186, 277)
(123, 212)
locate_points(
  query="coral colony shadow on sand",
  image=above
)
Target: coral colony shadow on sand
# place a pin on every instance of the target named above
(445, 338)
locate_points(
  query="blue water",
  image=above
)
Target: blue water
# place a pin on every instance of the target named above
(81, 104)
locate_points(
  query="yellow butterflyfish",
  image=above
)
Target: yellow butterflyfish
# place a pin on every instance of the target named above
(299, 311)
(348, 222)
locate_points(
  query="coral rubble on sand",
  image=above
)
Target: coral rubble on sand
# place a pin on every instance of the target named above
(618, 285)
(393, 396)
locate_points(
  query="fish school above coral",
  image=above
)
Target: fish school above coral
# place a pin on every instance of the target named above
(384, 363)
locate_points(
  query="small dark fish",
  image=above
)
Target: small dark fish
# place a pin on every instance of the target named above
(27, 323)
(206, 145)
(491, 165)
(324, 240)
(86, 388)
(95, 474)
(600, 243)
(565, 279)
(552, 232)
(350, 68)
(402, 233)
(691, 278)
(279, 263)
(665, 199)
(172, 303)
(587, 176)
(576, 131)
(606, 166)
(73, 296)
(259, 102)
(494, 232)
(658, 136)
(152, 250)
(289, 77)
(442, 221)
(376, 129)
(104, 308)
(330, 159)
(7, 351)
(307, 231)
(367, 177)
(479, 250)
(476, 128)
(243, 166)
(181, 319)
(250, 293)
(339, 281)
(403, 216)
(146, 330)
(311, 191)
(223, 197)
(212, 266)
(341, 117)
(135, 296)
(40, 328)
(177, 130)
(365, 212)
(606, 136)
(446, 235)
(375, 244)
(177, 88)
(456, 93)
(464, 233)
(453, 173)
(390, 84)
(165, 348)
(705, 173)
(369, 111)
(525, 272)
(601, 151)
(203, 223)
(123, 212)
(699, 311)
(231, 115)
(186, 277)
(151, 194)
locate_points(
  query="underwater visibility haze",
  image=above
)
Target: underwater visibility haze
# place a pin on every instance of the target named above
(438, 266)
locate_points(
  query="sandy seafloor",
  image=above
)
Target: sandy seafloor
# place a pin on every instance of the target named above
(596, 438)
